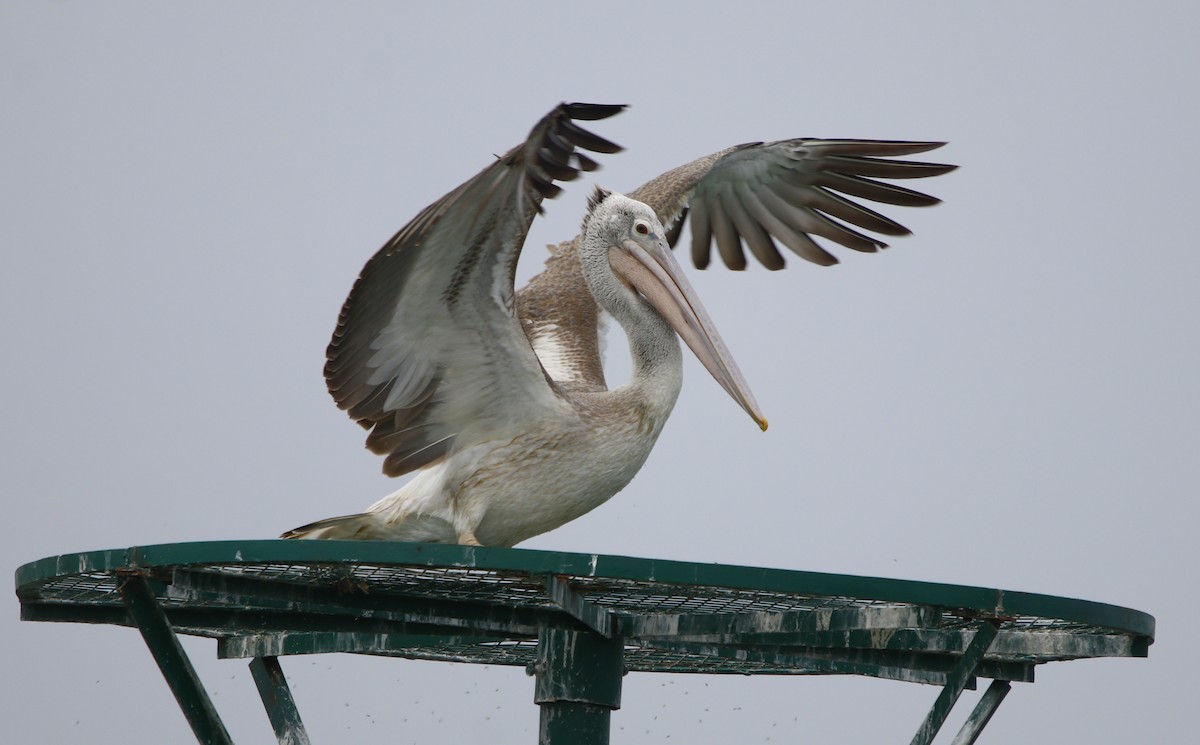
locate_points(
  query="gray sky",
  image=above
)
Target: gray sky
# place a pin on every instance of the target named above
(1006, 399)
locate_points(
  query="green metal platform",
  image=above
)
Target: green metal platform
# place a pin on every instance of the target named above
(577, 622)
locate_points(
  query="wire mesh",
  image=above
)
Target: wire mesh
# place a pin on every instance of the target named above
(408, 584)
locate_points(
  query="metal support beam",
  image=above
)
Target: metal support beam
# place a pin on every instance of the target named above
(596, 617)
(957, 680)
(720, 627)
(982, 713)
(330, 608)
(578, 685)
(173, 661)
(286, 644)
(915, 667)
(278, 701)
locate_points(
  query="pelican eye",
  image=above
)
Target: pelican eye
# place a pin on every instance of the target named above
(641, 227)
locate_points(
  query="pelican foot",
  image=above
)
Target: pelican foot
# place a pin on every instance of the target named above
(468, 538)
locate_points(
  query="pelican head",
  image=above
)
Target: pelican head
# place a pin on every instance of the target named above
(628, 264)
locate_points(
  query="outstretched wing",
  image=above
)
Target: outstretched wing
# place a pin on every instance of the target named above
(788, 191)
(755, 193)
(428, 349)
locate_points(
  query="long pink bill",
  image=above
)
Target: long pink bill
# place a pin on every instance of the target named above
(660, 279)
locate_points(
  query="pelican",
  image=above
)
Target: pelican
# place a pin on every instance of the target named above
(496, 398)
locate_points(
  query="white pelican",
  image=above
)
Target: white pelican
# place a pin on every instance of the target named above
(498, 399)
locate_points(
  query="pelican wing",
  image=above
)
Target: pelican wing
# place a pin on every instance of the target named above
(427, 348)
(790, 191)
(562, 320)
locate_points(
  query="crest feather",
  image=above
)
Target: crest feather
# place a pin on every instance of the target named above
(598, 195)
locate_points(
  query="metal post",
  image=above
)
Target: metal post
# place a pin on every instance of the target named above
(173, 661)
(278, 701)
(956, 681)
(982, 713)
(578, 685)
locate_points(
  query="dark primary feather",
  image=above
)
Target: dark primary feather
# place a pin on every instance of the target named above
(388, 362)
(557, 143)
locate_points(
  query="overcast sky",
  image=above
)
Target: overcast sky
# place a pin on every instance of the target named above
(1006, 399)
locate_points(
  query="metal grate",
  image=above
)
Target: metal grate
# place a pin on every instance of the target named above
(307, 597)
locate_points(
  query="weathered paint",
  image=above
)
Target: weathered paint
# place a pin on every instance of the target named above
(295, 643)
(984, 601)
(578, 621)
(956, 681)
(686, 625)
(277, 700)
(173, 662)
(982, 713)
(578, 684)
(593, 616)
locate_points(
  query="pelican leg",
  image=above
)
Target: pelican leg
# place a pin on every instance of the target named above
(467, 538)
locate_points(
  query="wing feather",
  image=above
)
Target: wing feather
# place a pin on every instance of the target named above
(754, 194)
(562, 321)
(790, 191)
(427, 347)
(726, 235)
